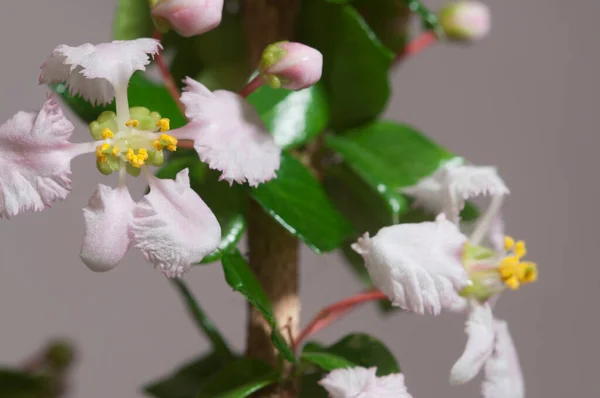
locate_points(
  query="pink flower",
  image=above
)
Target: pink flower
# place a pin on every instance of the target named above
(465, 20)
(291, 65)
(363, 383)
(189, 17)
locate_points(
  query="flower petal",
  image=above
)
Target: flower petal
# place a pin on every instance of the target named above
(229, 135)
(36, 160)
(503, 377)
(391, 386)
(417, 265)
(480, 344)
(350, 382)
(93, 71)
(173, 227)
(107, 220)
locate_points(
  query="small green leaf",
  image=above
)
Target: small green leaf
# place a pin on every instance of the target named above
(228, 203)
(388, 19)
(355, 63)
(327, 361)
(132, 20)
(311, 387)
(203, 322)
(188, 380)
(293, 117)
(299, 203)
(17, 384)
(239, 379)
(142, 92)
(240, 277)
(363, 350)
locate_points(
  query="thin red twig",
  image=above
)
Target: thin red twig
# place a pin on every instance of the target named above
(168, 79)
(423, 41)
(188, 144)
(252, 86)
(335, 311)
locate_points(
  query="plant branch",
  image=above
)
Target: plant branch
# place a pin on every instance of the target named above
(168, 79)
(423, 41)
(252, 86)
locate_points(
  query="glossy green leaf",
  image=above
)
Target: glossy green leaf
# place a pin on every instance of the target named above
(299, 203)
(293, 117)
(241, 278)
(327, 361)
(202, 321)
(389, 19)
(355, 62)
(228, 203)
(363, 350)
(132, 20)
(142, 92)
(239, 379)
(311, 387)
(187, 381)
(17, 384)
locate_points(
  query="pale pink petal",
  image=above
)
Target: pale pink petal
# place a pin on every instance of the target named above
(173, 227)
(391, 386)
(190, 17)
(35, 158)
(229, 135)
(349, 382)
(299, 66)
(480, 344)
(417, 265)
(107, 220)
(503, 377)
(94, 71)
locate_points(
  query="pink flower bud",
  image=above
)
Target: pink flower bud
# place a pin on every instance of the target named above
(188, 17)
(291, 65)
(465, 20)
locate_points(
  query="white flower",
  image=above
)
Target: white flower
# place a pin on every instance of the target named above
(171, 225)
(228, 135)
(403, 261)
(363, 383)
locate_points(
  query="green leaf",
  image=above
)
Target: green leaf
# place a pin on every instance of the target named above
(293, 117)
(228, 203)
(355, 62)
(311, 387)
(142, 92)
(327, 361)
(17, 384)
(299, 203)
(188, 380)
(240, 277)
(132, 20)
(239, 379)
(203, 322)
(389, 19)
(363, 350)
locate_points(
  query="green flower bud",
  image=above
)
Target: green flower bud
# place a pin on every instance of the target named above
(104, 168)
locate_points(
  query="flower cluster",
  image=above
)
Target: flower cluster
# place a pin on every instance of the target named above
(171, 225)
(432, 266)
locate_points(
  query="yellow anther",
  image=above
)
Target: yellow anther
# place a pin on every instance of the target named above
(143, 154)
(157, 145)
(100, 155)
(508, 242)
(171, 147)
(520, 249)
(115, 150)
(164, 124)
(137, 160)
(529, 272)
(132, 123)
(512, 283)
(107, 133)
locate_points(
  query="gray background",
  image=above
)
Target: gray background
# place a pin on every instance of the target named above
(524, 99)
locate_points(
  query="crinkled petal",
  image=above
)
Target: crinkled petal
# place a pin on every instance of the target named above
(173, 227)
(480, 344)
(35, 160)
(417, 265)
(229, 135)
(94, 70)
(107, 219)
(350, 382)
(503, 377)
(391, 386)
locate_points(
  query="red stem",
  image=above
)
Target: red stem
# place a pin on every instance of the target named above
(335, 311)
(251, 87)
(423, 41)
(168, 79)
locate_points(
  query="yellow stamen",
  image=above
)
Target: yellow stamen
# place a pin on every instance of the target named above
(137, 160)
(100, 155)
(164, 124)
(512, 283)
(132, 123)
(529, 271)
(520, 249)
(508, 242)
(157, 145)
(107, 133)
(115, 150)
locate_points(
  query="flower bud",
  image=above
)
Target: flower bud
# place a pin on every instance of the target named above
(291, 65)
(465, 20)
(187, 17)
